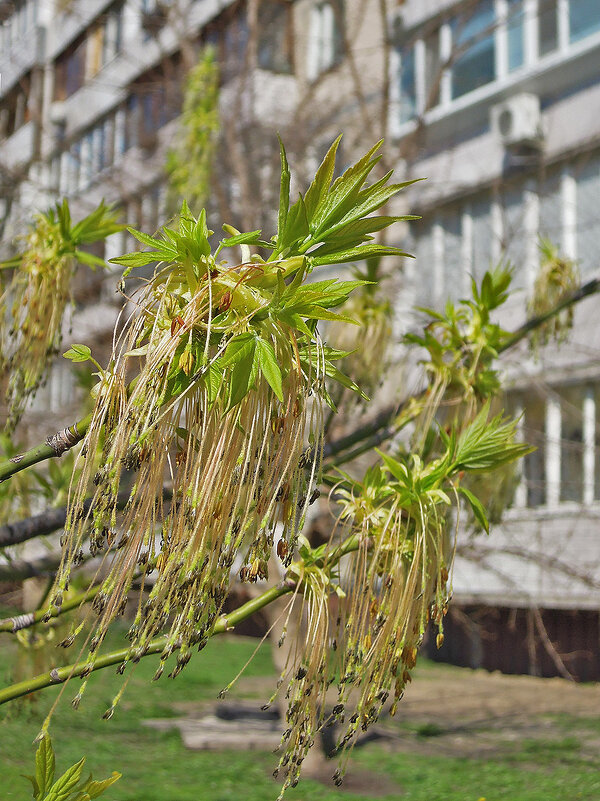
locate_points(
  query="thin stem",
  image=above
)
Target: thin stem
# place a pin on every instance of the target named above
(42, 452)
(60, 675)
(28, 619)
(584, 291)
(223, 624)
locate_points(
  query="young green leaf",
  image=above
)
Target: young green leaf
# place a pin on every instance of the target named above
(251, 238)
(477, 508)
(284, 196)
(269, 366)
(34, 784)
(242, 374)
(89, 259)
(64, 786)
(238, 349)
(95, 789)
(44, 766)
(78, 353)
(318, 189)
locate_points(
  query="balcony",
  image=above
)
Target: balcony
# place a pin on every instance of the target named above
(261, 95)
(19, 149)
(20, 56)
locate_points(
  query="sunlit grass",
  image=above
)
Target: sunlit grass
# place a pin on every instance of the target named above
(156, 766)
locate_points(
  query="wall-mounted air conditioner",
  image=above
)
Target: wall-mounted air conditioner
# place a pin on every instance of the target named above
(518, 121)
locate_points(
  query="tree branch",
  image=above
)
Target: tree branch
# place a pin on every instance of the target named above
(28, 619)
(55, 446)
(223, 624)
(21, 569)
(584, 291)
(60, 675)
(50, 521)
(37, 526)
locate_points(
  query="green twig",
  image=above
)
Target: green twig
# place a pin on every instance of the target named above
(60, 675)
(48, 450)
(28, 619)
(223, 624)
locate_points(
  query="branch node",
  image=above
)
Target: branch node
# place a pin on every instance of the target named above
(63, 440)
(55, 677)
(22, 621)
(16, 459)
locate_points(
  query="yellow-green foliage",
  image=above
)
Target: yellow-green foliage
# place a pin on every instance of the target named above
(557, 277)
(229, 393)
(37, 296)
(189, 163)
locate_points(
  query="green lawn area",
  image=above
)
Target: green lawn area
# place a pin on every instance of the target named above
(156, 767)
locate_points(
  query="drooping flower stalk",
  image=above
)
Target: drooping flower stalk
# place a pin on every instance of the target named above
(38, 293)
(396, 582)
(226, 404)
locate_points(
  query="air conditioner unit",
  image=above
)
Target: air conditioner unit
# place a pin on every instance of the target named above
(518, 121)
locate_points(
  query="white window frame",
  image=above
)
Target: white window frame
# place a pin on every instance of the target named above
(321, 55)
(531, 57)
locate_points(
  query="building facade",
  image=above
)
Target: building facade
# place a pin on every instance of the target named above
(495, 102)
(498, 102)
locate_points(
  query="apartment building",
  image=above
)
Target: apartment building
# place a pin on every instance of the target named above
(497, 103)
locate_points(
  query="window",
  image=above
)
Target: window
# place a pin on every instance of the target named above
(16, 19)
(424, 264)
(104, 39)
(408, 95)
(87, 161)
(453, 254)
(547, 27)
(433, 69)
(70, 70)
(551, 208)
(473, 39)
(515, 31)
(275, 37)
(587, 177)
(94, 50)
(120, 133)
(514, 233)
(564, 426)
(571, 445)
(113, 32)
(155, 99)
(534, 463)
(482, 237)
(584, 18)
(15, 110)
(326, 40)
(132, 121)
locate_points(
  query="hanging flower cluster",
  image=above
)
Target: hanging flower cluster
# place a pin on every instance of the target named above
(216, 384)
(38, 293)
(557, 278)
(396, 573)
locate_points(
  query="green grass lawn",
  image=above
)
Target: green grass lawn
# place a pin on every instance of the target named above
(156, 767)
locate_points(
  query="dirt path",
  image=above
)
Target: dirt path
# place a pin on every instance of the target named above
(468, 713)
